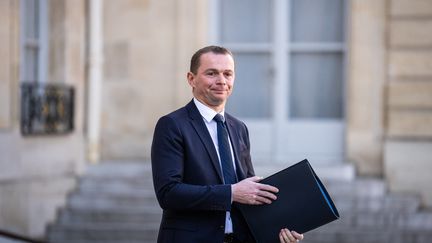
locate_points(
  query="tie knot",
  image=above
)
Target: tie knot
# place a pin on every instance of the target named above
(219, 118)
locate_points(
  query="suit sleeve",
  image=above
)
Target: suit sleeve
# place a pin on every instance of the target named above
(167, 156)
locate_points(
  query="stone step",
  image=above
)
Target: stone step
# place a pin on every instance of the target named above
(392, 219)
(115, 193)
(120, 183)
(73, 215)
(127, 169)
(108, 205)
(392, 202)
(114, 190)
(113, 202)
(85, 232)
(367, 187)
(369, 235)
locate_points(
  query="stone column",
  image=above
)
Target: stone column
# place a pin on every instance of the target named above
(366, 77)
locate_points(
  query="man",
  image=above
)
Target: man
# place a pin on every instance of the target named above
(201, 161)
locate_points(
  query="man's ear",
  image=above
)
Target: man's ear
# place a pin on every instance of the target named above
(191, 79)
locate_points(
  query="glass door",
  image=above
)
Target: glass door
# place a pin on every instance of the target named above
(289, 87)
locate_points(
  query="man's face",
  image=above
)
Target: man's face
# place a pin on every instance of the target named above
(214, 80)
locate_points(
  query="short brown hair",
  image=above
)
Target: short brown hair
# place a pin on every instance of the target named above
(195, 60)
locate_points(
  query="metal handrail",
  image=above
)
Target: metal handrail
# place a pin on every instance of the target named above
(15, 236)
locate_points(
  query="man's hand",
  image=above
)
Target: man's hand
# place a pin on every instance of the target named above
(286, 236)
(249, 191)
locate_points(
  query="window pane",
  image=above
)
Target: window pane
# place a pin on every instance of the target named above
(30, 64)
(317, 21)
(316, 85)
(252, 96)
(246, 21)
(31, 11)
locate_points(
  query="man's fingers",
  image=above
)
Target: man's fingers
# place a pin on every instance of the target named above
(265, 187)
(282, 238)
(262, 200)
(261, 186)
(268, 195)
(297, 235)
(255, 178)
(290, 236)
(286, 236)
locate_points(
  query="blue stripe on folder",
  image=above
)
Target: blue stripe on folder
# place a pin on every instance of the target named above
(325, 196)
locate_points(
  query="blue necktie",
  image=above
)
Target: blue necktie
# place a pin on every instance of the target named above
(225, 151)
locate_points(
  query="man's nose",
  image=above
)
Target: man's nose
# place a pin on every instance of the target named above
(221, 79)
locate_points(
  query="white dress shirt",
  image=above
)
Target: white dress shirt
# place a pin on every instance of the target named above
(208, 114)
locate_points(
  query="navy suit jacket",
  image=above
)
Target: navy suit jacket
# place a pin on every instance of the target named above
(188, 180)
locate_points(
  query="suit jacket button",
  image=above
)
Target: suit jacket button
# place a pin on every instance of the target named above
(222, 227)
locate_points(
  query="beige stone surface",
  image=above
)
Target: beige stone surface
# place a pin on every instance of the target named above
(367, 73)
(410, 94)
(365, 149)
(26, 206)
(407, 168)
(57, 40)
(406, 63)
(76, 58)
(409, 8)
(189, 13)
(127, 121)
(52, 156)
(5, 65)
(36, 172)
(5, 104)
(411, 33)
(409, 123)
(10, 167)
(145, 69)
(45, 198)
(14, 199)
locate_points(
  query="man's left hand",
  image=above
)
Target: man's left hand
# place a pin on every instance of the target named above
(287, 236)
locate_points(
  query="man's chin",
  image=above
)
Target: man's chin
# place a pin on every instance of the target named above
(217, 102)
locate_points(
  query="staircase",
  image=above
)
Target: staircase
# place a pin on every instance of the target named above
(369, 214)
(115, 202)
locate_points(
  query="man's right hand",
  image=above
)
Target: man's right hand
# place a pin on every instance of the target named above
(250, 191)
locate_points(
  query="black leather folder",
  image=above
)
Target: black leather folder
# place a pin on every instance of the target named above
(303, 204)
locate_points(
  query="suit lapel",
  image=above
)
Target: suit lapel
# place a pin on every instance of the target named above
(234, 136)
(201, 129)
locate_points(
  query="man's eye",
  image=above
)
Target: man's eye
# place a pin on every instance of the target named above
(228, 74)
(211, 73)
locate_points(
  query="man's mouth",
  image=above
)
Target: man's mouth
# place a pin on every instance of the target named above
(219, 90)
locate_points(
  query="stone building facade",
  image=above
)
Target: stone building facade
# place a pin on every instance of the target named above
(37, 171)
(387, 91)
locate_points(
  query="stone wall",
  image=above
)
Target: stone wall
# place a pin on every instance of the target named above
(36, 172)
(147, 47)
(408, 103)
(8, 64)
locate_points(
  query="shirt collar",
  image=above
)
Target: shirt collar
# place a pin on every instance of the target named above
(206, 112)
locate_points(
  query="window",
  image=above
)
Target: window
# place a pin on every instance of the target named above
(34, 40)
(290, 56)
